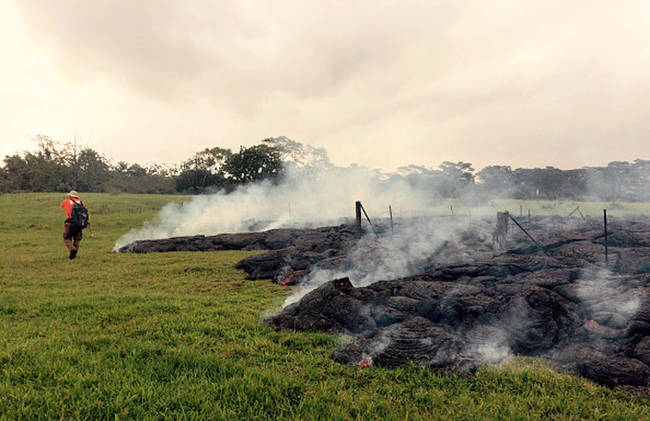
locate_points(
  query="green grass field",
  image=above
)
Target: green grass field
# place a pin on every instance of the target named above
(179, 336)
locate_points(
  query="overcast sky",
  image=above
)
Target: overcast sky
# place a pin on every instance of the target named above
(379, 83)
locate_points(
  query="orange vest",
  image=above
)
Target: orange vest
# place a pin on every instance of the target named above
(67, 205)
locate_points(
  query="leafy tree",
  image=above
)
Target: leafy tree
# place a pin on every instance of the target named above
(495, 177)
(43, 170)
(136, 170)
(298, 154)
(15, 174)
(456, 177)
(639, 180)
(257, 162)
(135, 178)
(93, 171)
(209, 159)
(203, 170)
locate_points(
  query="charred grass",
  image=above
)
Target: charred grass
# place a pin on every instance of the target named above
(179, 336)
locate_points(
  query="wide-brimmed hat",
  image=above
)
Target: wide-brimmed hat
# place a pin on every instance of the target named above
(73, 194)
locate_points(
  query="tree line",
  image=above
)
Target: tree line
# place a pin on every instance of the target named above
(618, 181)
(56, 166)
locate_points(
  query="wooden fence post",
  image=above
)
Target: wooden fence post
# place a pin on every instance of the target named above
(605, 226)
(357, 217)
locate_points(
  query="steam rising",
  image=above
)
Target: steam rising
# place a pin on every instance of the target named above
(391, 257)
(325, 195)
(601, 297)
(491, 347)
(305, 197)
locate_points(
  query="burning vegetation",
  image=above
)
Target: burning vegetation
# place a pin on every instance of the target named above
(468, 296)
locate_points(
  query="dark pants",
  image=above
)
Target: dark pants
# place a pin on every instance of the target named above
(71, 238)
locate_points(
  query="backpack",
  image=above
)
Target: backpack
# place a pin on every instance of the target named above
(78, 217)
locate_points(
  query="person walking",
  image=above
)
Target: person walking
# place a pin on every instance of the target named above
(76, 221)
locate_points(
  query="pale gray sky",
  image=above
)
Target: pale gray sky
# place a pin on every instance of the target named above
(381, 83)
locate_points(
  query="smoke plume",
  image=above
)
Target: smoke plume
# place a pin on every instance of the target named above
(305, 197)
(405, 252)
(603, 301)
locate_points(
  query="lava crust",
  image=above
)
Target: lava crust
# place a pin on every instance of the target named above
(560, 302)
(466, 303)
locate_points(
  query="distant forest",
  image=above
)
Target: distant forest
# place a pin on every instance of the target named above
(59, 167)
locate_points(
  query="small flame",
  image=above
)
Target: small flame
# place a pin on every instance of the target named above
(287, 281)
(366, 361)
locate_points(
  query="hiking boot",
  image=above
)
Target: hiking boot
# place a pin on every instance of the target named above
(73, 254)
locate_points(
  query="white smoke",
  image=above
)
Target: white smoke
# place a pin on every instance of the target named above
(389, 256)
(492, 349)
(304, 197)
(603, 300)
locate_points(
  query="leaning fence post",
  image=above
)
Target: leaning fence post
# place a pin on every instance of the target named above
(368, 218)
(390, 212)
(527, 234)
(577, 209)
